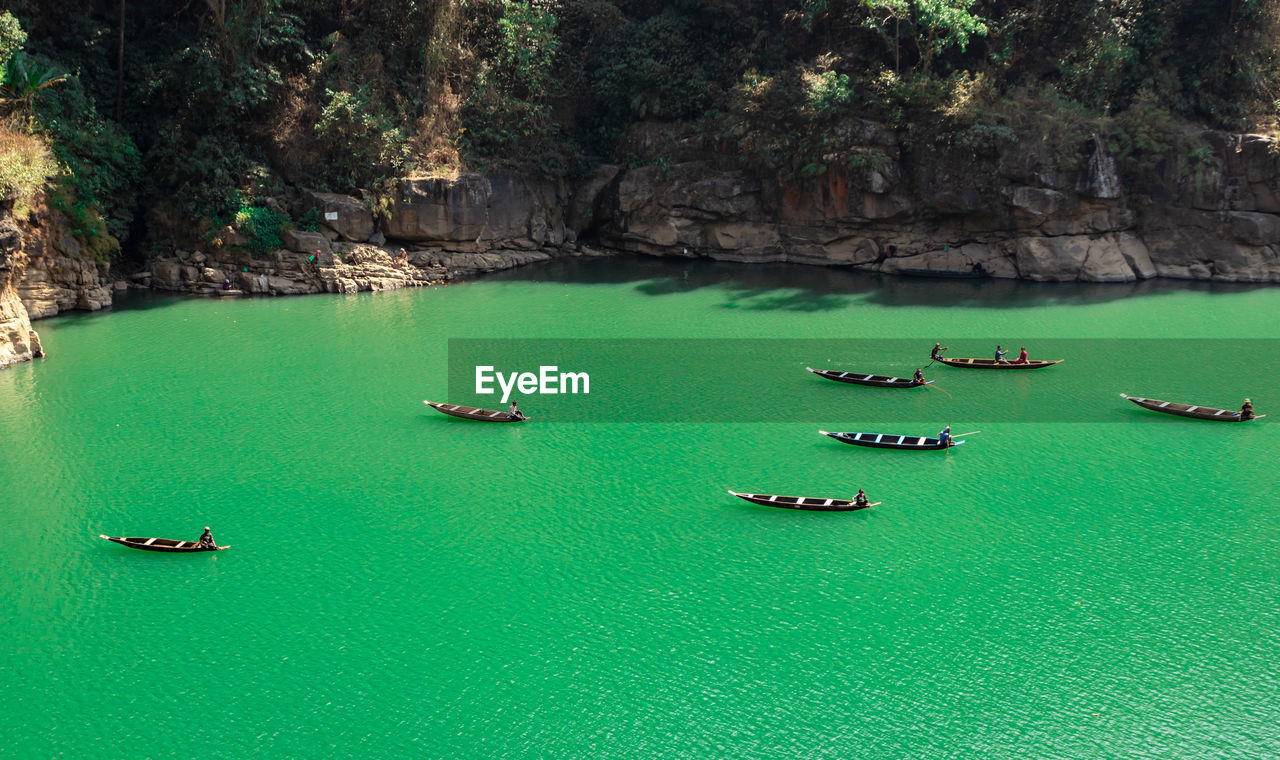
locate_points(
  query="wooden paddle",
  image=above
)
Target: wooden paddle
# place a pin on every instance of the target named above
(961, 435)
(929, 384)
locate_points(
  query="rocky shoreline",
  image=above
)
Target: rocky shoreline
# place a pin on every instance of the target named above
(916, 212)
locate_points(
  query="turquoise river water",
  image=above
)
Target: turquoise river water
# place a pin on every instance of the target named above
(1081, 579)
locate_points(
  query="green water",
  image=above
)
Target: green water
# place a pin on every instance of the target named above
(403, 584)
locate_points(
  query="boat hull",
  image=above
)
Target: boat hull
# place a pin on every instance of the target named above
(147, 544)
(993, 364)
(807, 503)
(1190, 410)
(473, 413)
(860, 378)
(887, 441)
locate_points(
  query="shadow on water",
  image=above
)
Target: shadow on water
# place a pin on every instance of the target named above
(802, 287)
(129, 300)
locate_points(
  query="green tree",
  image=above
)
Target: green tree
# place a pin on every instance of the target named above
(12, 38)
(24, 78)
(934, 25)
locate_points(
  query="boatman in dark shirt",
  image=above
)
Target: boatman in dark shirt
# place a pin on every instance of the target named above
(861, 499)
(936, 353)
(1000, 352)
(918, 376)
(206, 538)
(945, 436)
(1246, 410)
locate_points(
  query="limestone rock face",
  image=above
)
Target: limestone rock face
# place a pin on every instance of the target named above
(346, 217)
(18, 342)
(350, 268)
(477, 212)
(305, 242)
(53, 284)
(937, 211)
(1086, 258)
(583, 208)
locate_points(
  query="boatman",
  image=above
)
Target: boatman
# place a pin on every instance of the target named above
(919, 376)
(1000, 352)
(945, 437)
(1022, 357)
(206, 539)
(1246, 410)
(861, 499)
(514, 411)
(936, 353)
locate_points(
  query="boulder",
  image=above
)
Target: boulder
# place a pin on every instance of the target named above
(479, 211)
(167, 272)
(1075, 257)
(347, 217)
(967, 260)
(93, 299)
(305, 242)
(230, 237)
(1252, 227)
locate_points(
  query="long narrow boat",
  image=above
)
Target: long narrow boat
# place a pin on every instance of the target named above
(993, 364)
(802, 502)
(859, 378)
(162, 544)
(886, 441)
(472, 413)
(1188, 410)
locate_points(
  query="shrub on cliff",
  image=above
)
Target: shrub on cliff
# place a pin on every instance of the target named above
(261, 226)
(793, 124)
(25, 164)
(99, 189)
(363, 143)
(507, 115)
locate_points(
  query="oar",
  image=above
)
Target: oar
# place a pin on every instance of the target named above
(961, 435)
(929, 384)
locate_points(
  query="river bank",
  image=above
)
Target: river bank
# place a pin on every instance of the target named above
(916, 210)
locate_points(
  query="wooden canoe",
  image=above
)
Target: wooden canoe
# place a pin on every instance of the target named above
(886, 441)
(802, 502)
(993, 364)
(472, 413)
(1188, 410)
(162, 544)
(859, 378)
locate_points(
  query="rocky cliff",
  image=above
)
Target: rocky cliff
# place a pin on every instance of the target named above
(434, 231)
(58, 277)
(926, 212)
(18, 342)
(916, 210)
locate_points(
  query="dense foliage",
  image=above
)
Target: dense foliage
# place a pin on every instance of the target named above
(199, 112)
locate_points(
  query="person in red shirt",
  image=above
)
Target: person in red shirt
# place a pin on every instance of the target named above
(1022, 356)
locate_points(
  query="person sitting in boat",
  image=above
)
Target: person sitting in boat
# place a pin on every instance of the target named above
(515, 411)
(1246, 410)
(1022, 357)
(1000, 352)
(936, 353)
(919, 377)
(945, 436)
(861, 499)
(206, 539)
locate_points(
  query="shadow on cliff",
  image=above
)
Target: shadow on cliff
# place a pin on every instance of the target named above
(799, 287)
